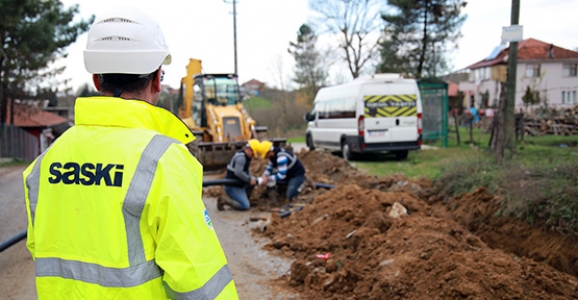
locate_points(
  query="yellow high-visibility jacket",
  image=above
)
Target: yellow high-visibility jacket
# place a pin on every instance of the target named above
(115, 210)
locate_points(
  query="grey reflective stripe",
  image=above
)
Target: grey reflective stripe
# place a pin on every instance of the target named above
(210, 290)
(139, 271)
(33, 185)
(93, 273)
(230, 166)
(137, 194)
(292, 159)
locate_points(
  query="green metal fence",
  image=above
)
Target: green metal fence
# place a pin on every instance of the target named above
(435, 102)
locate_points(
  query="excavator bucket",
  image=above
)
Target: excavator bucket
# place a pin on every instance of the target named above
(215, 156)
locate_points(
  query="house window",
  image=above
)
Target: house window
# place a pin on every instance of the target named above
(533, 70)
(569, 97)
(487, 73)
(569, 70)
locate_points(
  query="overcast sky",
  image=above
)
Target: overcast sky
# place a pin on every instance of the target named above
(203, 29)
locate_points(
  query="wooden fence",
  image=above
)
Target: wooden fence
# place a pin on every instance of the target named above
(17, 143)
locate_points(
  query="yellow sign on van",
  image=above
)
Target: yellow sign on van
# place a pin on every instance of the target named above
(384, 106)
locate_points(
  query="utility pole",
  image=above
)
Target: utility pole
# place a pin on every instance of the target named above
(234, 30)
(509, 118)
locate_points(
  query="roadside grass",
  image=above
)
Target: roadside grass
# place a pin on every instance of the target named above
(12, 162)
(429, 162)
(296, 139)
(426, 163)
(256, 102)
(543, 194)
(539, 184)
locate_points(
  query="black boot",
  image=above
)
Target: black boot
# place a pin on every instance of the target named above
(221, 203)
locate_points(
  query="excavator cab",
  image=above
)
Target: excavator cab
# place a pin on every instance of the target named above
(217, 107)
(220, 89)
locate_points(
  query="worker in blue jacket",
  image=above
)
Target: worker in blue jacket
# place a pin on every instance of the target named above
(284, 168)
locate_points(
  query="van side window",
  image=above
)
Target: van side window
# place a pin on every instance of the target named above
(340, 109)
(348, 108)
(334, 109)
(320, 108)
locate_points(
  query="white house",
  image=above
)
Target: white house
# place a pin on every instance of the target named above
(550, 72)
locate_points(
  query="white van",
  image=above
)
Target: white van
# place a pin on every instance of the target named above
(381, 112)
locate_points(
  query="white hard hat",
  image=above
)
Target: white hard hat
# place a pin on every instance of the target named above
(125, 41)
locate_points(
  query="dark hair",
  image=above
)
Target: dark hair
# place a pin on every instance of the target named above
(132, 83)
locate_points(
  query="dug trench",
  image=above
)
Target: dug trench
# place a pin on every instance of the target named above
(393, 238)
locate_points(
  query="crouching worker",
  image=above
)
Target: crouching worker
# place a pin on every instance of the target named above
(284, 168)
(238, 168)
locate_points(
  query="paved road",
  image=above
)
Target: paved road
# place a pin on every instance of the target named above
(16, 266)
(252, 267)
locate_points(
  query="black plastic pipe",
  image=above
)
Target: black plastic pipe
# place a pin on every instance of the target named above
(224, 181)
(323, 185)
(235, 182)
(13, 240)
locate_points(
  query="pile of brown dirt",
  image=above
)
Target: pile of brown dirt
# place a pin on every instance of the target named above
(350, 242)
(477, 212)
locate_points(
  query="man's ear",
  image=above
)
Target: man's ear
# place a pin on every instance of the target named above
(156, 82)
(96, 82)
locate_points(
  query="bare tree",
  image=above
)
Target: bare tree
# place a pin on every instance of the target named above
(282, 101)
(357, 22)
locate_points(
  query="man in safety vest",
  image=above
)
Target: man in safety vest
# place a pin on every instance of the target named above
(283, 168)
(238, 168)
(114, 205)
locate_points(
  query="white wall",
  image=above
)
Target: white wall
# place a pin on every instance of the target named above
(493, 87)
(550, 84)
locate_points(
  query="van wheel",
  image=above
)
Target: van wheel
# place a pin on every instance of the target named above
(345, 151)
(309, 142)
(401, 154)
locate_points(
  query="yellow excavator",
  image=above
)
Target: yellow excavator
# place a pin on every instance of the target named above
(212, 107)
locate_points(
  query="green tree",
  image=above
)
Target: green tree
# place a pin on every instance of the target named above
(418, 34)
(86, 90)
(47, 93)
(310, 70)
(530, 97)
(34, 33)
(484, 99)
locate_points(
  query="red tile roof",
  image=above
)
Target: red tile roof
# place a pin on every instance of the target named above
(529, 49)
(253, 81)
(30, 116)
(452, 89)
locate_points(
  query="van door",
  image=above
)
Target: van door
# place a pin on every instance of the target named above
(390, 112)
(313, 125)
